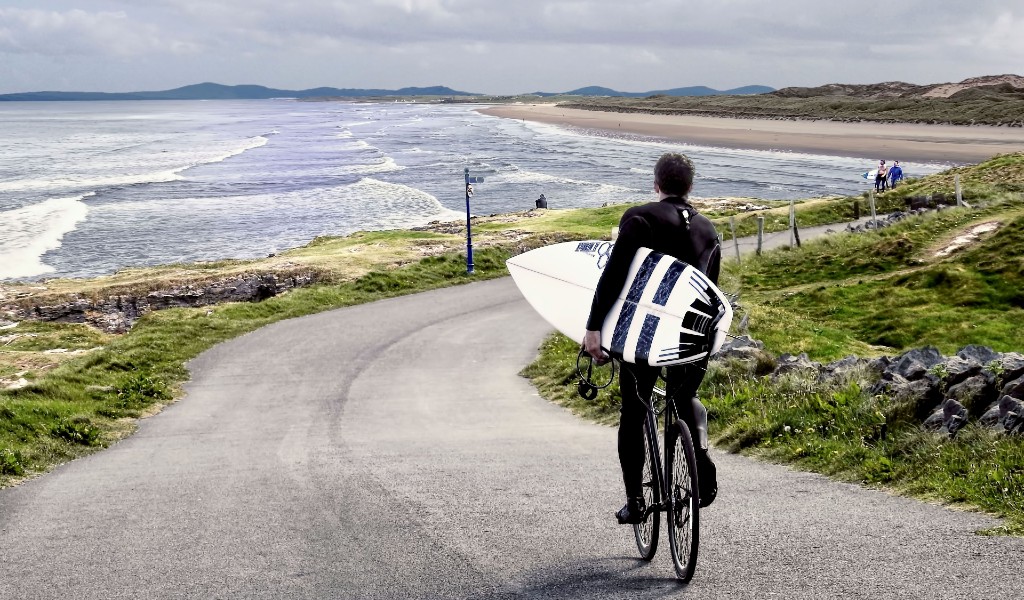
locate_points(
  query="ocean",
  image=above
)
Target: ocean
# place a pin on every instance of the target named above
(87, 188)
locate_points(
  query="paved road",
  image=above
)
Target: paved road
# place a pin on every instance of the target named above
(391, 451)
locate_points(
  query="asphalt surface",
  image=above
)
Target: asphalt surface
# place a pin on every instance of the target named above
(390, 450)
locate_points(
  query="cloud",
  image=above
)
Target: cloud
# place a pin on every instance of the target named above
(77, 32)
(491, 46)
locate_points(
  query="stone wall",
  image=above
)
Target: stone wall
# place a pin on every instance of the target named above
(941, 393)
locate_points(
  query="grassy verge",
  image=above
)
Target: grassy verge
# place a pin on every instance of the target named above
(92, 400)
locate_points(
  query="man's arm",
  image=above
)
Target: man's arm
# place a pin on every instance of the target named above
(634, 231)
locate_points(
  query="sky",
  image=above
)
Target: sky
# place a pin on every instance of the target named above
(501, 46)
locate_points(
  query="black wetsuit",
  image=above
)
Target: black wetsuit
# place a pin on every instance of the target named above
(661, 227)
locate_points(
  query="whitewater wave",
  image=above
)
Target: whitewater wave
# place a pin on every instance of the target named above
(161, 176)
(385, 165)
(385, 205)
(27, 233)
(514, 174)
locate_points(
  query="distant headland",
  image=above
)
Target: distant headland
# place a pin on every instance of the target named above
(216, 91)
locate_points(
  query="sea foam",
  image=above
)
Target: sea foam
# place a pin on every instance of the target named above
(27, 233)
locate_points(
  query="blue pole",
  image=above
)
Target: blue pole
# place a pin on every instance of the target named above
(469, 235)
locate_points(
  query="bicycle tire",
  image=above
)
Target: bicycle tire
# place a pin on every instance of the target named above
(683, 500)
(646, 533)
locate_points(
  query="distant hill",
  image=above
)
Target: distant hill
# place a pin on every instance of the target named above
(216, 91)
(698, 90)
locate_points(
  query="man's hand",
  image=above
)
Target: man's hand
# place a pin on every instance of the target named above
(592, 344)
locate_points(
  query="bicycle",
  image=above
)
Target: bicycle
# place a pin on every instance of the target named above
(671, 489)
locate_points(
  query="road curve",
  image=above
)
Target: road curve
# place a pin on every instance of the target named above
(390, 450)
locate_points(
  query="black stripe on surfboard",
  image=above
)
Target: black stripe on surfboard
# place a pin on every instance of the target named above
(636, 290)
(643, 345)
(668, 282)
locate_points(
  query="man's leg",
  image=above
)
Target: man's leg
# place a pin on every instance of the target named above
(683, 382)
(635, 385)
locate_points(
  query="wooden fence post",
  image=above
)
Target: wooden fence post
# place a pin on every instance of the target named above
(760, 233)
(735, 242)
(792, 220)
(874, 218)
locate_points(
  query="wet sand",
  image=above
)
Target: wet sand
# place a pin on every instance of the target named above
(903, 142)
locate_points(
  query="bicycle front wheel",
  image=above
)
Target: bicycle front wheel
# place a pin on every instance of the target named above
(682, 497)
(646, 533)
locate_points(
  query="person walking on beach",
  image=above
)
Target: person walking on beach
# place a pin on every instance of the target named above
(670, 226)
(880, 176)
(895, 174)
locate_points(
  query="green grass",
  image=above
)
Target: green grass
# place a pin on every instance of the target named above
(89, 402)
(888, 291)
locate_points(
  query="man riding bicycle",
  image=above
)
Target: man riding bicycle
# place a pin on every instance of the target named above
(670, 226)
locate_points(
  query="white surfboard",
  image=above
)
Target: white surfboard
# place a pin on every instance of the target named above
(668, 313)
(870, 174)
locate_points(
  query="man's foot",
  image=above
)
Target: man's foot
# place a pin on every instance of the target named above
(632, 513)
(707, 478)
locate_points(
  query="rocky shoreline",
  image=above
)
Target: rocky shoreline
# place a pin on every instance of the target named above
(117, 313)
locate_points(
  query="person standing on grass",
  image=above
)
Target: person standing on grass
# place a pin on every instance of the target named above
(673, 227)
(880, 176)
(895, 174)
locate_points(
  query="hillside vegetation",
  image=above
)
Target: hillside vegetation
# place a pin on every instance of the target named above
(995, 100)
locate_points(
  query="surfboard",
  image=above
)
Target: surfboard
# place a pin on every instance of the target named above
(870, 174)
(668, 312)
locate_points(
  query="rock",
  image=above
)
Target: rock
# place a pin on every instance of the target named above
(1012, 365)
(1014, 389)
(746, 353)
(742, 341)
(947, 418)
(1011, 415)
(991, 417)
(983, 355)
(934, 420)
(117, 314)
(974, 392)
(914, 364)
(913, 400)
(958, 369)
(21, 382)
(842, 367)
(787, 363)
(880, 365)
(888, 381)
(954, 416)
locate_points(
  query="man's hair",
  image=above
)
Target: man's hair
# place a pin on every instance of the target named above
(674, 174)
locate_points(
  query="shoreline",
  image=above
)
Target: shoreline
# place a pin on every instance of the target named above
(906, 142)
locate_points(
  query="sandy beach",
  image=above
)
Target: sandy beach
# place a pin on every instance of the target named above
(903, 142)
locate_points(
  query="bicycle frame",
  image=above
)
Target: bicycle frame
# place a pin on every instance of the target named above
(651, 431)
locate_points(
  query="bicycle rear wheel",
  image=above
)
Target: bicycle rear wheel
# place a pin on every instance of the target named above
(683, 499)
(646, 533)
